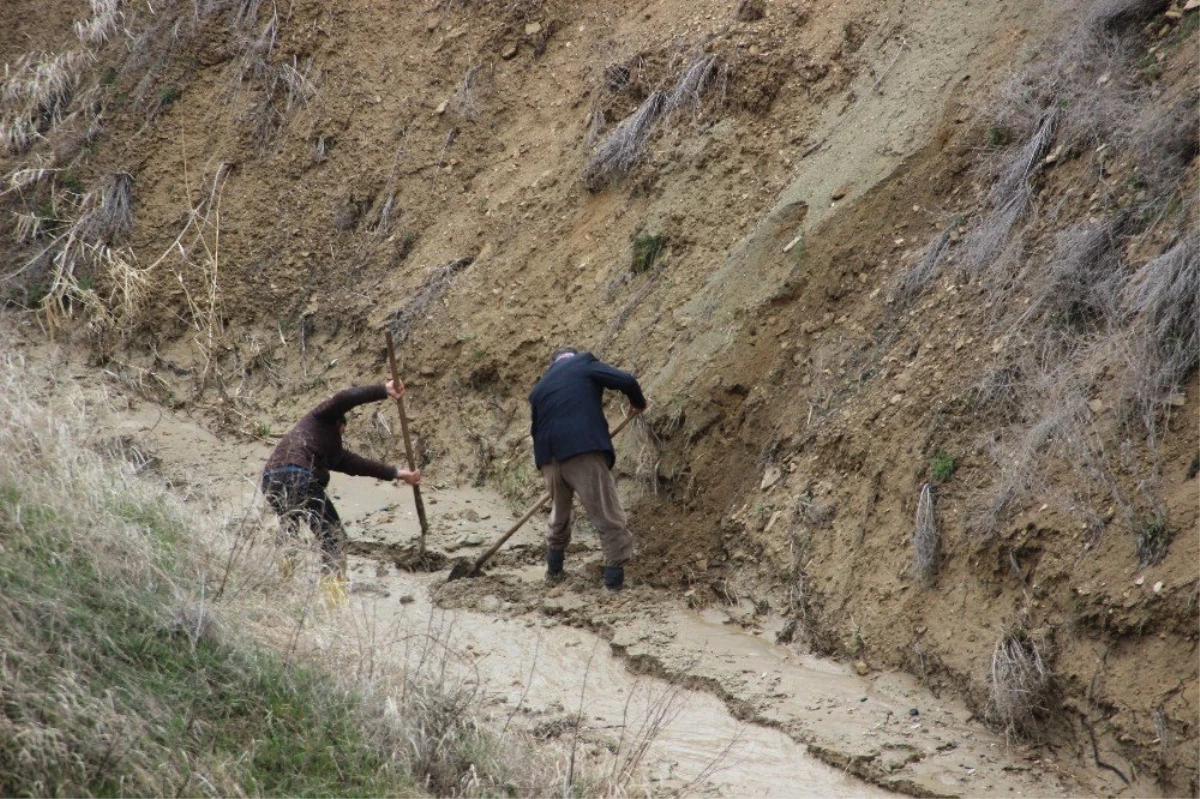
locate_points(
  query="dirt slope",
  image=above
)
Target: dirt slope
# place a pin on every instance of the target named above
(304, 176)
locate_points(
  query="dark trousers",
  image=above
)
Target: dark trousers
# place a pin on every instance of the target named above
(296, 496)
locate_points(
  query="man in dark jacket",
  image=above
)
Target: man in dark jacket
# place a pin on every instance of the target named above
(297, 473)
(573, 450)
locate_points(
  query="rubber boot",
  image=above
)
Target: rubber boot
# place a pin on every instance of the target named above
(554, 565)
(614, 578)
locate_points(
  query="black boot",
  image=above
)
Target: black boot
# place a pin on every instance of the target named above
(614, 578)
(554, 565)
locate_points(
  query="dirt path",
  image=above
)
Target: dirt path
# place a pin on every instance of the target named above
(746, 705)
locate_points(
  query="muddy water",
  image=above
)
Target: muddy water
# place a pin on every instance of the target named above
(543, 674)
(547, 672)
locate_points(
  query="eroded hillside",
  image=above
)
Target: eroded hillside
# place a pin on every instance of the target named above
(912, 288)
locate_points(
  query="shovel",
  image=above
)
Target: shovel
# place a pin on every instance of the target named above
(463, 569)
(412, 464)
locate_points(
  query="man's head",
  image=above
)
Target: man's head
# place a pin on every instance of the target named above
(561, 353)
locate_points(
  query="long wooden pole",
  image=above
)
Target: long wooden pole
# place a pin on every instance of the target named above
(408, 448)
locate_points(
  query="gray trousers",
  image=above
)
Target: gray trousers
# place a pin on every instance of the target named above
(587, 475)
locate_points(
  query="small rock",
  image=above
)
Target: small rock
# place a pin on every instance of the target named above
(771, 476)
(861, 668)
(896, 399)
(1177, 400)
(509, 52)
(406, 599)
(1158, 587)
(441, 109)
(1096, 406)
(840, 192)
(912, 711)
(1139, 581)
(533, 28)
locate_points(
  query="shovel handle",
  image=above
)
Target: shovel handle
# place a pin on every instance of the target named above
(519, 523)
(408, 448)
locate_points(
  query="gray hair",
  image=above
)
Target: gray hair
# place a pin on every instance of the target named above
(561, 351)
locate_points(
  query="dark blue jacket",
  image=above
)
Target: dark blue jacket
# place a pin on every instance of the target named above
(568, 416)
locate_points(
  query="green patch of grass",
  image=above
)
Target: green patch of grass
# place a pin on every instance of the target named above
(94, 653)
(168, 95)
(71, 182)
(1154, 539)
(998, 137)
(941, 466)
(646, 250)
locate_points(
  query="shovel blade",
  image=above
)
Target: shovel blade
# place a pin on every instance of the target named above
(460, 570)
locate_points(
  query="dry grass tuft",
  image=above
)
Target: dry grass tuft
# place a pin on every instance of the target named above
(1160, 303)
(618, 152)
(35, 95)
(1011, 195)
(910, 283)
(622, 148)
(104, 22)
(1019, 684)
(693, 81)
(926, 541)
(1077, 289)
(437, 283)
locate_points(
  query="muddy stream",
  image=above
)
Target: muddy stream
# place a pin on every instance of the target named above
(732, 713)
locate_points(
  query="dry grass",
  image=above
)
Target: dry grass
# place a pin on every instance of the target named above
(103, 23)
(910, 283)
(416, 310)
(621, 149)
(1011, 195)
(1102, 306)
(1019, 684)
(926, 541)
(465, 101)
(1076, 290)
(1160, 306)
(35, 95)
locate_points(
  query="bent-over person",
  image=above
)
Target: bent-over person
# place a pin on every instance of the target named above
(297, 473)
(574, 452)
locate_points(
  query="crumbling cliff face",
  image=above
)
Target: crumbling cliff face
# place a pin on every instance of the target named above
(912, 290)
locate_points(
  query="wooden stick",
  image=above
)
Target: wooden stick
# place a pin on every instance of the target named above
(408, 449)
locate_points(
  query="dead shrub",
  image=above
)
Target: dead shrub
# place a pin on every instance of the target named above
(1078, 287)
(622, 148)
(35, 95)
(911, 282)
(618, 152)
(1018, 684)
(405, 320)
(1160, 304)
(926, 542)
